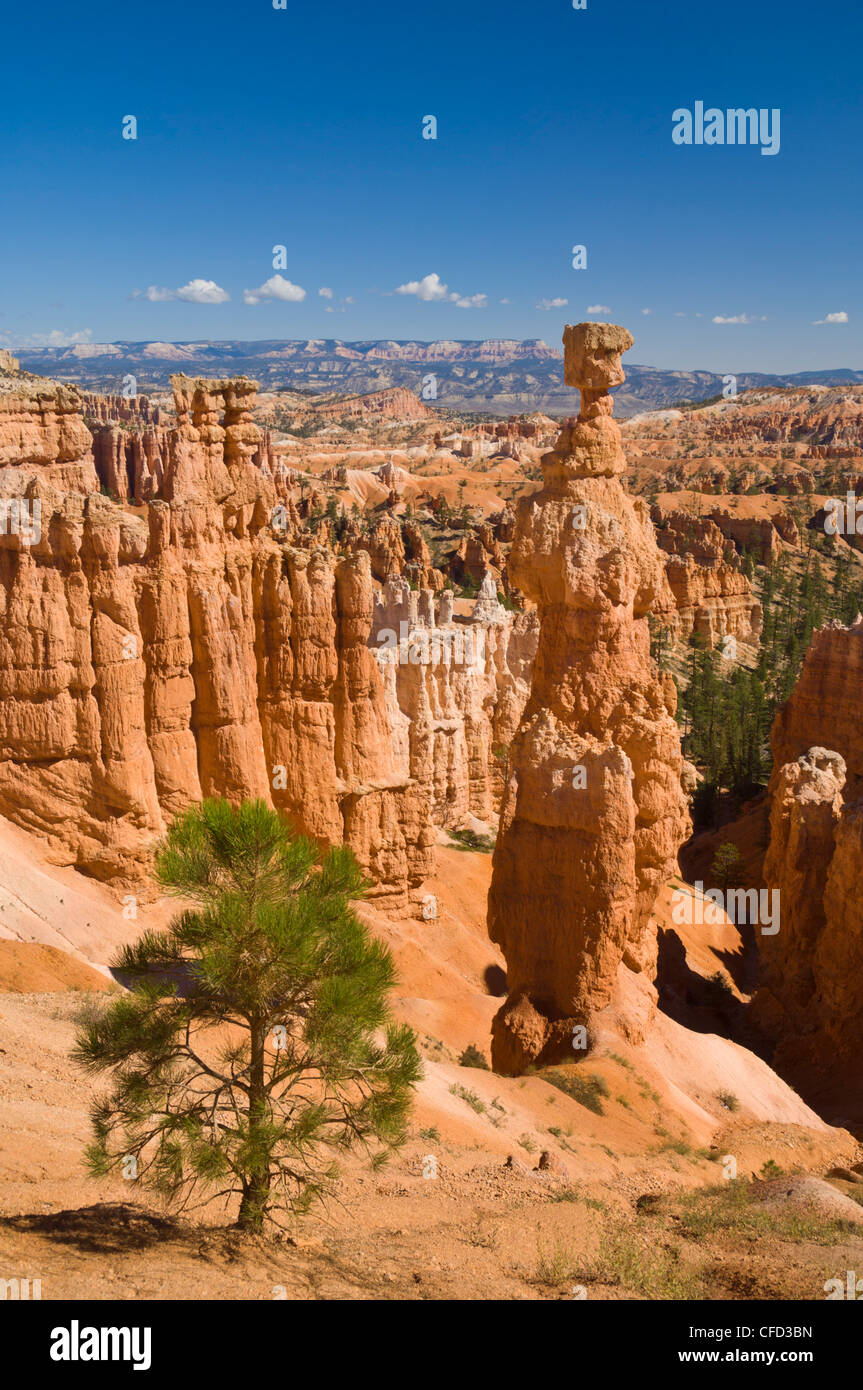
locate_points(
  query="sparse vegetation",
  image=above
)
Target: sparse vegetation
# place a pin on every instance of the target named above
(642, 1267)
(770, 1169)
(470, 1097)
(470, 840)
(575, 1194)
(677, 1146)
(720, 984)
(84, 1007)
(588, 1089)
(555, 1265)
(728, 1100)
(256, 1043)
(621, 1061)
(731, 1207)
(481, 1236)
(472, 1057)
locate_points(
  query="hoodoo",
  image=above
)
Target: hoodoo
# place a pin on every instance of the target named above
(810, 1000)
(593, 810)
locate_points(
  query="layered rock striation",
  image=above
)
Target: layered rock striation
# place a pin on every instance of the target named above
(707, 592)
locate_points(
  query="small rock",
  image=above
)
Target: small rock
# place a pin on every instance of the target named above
(846, 1174)
(549, 1162)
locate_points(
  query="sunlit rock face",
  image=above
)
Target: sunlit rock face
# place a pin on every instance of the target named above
(810, 1000)
(169, 631)
(188, 649)
(593, 811)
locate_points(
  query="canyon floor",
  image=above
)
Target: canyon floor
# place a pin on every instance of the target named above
(633, 1202)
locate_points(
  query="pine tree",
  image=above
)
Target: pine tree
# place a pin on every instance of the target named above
(256, 1043)
(726, 866)
(726, 716)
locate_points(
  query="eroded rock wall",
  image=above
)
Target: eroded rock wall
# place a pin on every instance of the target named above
(825, 705)
(810, 1000)
(147, 660)
(172, 631)
(706, 590)
(455, 691)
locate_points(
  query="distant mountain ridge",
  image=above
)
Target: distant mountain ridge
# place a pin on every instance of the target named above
(496, 376)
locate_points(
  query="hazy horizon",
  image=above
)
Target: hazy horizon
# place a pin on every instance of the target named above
(83, 351)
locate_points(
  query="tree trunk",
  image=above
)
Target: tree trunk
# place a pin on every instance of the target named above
(256, 1184)
(251, 1214)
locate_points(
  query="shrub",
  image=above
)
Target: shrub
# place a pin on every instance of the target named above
(588, 1090)
(472, 1057)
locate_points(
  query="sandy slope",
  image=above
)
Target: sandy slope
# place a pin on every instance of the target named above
(448, 1218)
(58, 907)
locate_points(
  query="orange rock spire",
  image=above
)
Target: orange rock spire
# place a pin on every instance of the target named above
(593, 812)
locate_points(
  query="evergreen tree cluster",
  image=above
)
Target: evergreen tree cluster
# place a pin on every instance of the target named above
(726, 715)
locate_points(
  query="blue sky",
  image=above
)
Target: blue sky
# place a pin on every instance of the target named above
(303, 127)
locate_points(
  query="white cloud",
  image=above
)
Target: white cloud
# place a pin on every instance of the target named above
(325, 292)
(738, 318)
(431, 289)
(679, 314)
(839, 317)
(153, 293)
(203, 292)
(598, 309)
(56, 337)
(552, 303)
(277, 287)
(647, 311)
(196, 292)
